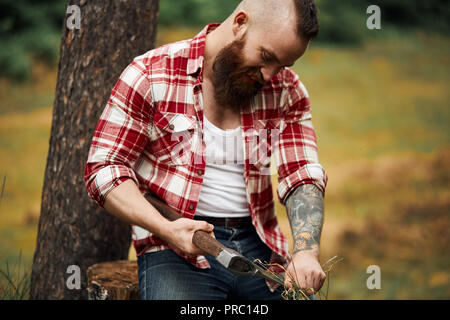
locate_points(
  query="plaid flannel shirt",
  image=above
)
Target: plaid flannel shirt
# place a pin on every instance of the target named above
(151, 131)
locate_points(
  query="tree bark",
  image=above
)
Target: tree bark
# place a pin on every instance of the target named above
(73, 230)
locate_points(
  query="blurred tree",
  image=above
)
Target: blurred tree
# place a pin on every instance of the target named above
(72, 229)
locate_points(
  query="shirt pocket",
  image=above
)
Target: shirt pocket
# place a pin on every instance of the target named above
(172, 138)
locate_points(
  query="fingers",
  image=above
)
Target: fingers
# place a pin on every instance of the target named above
(204, 226)
(321, 279)
(314, 281)
(181, 233)
(308, 281)
(298, 278)
(207, 226)
(201, 225)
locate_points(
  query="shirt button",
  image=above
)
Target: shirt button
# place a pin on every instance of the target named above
(268, 132)
(171, 127)
(191, 207)
(200, 172)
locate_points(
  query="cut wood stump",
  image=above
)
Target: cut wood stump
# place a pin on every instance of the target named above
(114, 280)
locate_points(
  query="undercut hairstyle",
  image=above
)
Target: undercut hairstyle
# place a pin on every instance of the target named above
(307, 22)
(307, 19)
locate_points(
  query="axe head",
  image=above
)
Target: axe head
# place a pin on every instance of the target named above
(241, 266)
(235, 262)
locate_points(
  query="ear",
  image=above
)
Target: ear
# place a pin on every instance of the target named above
(240, 24)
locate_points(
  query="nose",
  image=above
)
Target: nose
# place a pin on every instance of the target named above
(269, 72)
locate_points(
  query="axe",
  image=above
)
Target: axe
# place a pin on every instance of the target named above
(227, 257)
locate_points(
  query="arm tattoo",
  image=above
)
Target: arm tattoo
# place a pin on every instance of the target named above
(305, 212)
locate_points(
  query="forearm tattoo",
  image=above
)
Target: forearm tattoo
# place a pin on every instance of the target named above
(305, 212)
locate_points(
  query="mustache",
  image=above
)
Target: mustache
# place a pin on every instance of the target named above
(256, 76)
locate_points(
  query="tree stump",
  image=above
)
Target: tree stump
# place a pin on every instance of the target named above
(114, 280)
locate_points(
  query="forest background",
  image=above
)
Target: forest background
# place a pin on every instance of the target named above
(380, 109)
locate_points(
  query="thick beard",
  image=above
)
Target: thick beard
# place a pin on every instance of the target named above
(232, 89)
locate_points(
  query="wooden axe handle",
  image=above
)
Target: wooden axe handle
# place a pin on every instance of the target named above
(201, 239)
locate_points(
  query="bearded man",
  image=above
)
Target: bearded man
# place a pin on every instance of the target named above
(196, 123)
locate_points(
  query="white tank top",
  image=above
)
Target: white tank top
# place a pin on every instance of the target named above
(223, 193)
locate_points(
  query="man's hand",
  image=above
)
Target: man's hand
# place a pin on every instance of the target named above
(305, 271)
(127, 203)
(180, 232)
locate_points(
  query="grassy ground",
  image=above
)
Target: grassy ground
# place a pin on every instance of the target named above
(381, 115)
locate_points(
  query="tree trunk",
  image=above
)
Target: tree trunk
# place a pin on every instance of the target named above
(72, 229)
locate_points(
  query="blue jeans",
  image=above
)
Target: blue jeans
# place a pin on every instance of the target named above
(164, 275)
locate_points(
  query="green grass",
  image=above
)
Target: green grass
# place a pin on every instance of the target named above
(381, 116)
(16, 282)
(386, 97)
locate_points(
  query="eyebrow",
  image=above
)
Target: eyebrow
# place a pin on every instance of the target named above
(273, 56)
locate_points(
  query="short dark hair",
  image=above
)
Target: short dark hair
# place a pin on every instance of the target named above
(307, 19)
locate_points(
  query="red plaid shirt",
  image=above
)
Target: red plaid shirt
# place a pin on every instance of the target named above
(150, 131)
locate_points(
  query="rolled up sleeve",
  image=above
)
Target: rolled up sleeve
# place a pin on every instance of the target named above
(296, 155)
(121, 134)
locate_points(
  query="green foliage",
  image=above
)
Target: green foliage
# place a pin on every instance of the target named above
(14, 60)
(343, 23)
(430, 15)
(31, 29)
(194, 12)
